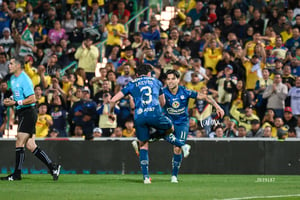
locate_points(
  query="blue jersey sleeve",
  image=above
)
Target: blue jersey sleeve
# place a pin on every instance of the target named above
(127, 89)
(192, 94)
(161, 90)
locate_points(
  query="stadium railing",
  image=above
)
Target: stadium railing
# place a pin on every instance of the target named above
(73, 65)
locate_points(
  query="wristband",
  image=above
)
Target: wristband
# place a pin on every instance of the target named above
(20, 102)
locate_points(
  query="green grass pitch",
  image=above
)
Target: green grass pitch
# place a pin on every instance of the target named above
(131, 187)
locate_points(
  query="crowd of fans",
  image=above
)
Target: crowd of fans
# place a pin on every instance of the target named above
(244, 53)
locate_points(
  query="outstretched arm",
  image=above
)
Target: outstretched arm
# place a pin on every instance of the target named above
(114, 100)
(112, 104)
(162, 100)
(210, 100)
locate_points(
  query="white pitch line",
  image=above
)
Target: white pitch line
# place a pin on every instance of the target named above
(264, 197)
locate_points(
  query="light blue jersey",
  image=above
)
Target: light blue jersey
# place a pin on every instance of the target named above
(22, 88)
(176, 107)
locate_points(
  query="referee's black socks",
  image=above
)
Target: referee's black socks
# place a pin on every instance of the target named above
(40, 154)
(20, 157)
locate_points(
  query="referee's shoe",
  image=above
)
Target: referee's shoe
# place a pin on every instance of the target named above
(12, 177)
(55, 171)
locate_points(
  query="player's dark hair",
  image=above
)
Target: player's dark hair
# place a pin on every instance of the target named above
(143, 69)
(174, 72)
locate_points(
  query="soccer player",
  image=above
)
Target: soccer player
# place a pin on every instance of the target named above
(176, 109)
(24, 100)
(148, 96)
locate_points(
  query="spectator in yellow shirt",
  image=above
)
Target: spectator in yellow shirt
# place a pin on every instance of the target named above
(21, 4)
(40, 98)
(115, 33)
(129, 130)
(244, 119)
(250, 46)
(38, 76)
(87, 55)
(287, 33)
(212, 53)
(184, 6)
(44, 121)
(253, 71)
(196, 85)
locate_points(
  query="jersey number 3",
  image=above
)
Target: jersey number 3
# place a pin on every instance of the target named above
(147, 94)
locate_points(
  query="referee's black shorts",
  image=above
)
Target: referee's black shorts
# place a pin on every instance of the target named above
(27, 118)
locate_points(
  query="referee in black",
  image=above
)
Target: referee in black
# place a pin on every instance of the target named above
(24, 100)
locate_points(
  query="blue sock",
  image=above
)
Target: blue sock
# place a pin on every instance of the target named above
(176, 162)
(144, 161)
(173, 140)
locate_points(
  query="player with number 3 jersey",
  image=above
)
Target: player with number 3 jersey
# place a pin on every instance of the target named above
(148, 97)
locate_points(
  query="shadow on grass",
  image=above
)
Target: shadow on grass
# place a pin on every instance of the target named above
(134, 180)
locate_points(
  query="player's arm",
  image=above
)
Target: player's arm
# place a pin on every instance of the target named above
(162, 100)
(112, 104)
(210, 100)
(114, 100)
(131, 103)
(161, 97)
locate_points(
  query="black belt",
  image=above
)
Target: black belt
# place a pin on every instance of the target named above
(24, 108)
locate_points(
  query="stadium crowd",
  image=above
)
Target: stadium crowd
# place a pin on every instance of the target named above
(243, 53)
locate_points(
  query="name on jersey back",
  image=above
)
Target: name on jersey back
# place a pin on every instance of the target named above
(146, 82)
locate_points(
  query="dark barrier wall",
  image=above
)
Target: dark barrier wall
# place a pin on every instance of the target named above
(118, 157)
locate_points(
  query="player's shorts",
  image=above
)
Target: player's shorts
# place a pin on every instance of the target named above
(143, 125)
(181, 131)
(27, 118)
